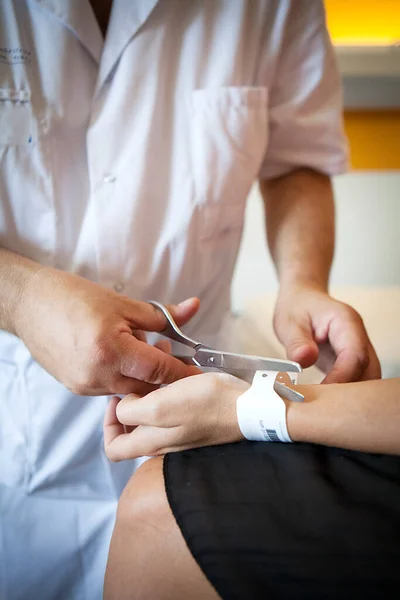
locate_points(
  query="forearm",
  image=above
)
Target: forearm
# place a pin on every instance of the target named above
(15, 272)
(361, 416)
(300, 226)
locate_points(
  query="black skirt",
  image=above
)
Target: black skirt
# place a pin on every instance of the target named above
(289, 520)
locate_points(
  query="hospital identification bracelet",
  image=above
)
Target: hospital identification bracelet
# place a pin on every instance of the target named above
(261, 412)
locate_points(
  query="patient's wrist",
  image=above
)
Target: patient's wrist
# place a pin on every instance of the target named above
(261, 410)
(295, 417)
(303, 418)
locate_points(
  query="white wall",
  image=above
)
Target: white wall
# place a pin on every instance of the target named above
(368, 237)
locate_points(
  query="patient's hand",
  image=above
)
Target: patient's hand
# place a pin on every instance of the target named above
(197, 411)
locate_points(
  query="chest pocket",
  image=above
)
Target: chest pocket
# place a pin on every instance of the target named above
(228, 142)
(16, 122)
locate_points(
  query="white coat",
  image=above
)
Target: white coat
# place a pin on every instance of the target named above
(129, 162)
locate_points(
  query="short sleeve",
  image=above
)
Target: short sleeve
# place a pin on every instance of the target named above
(305, 99)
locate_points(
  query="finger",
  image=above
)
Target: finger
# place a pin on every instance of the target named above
(168, 406)
(165, 407)
(130, 385)
(373, 371)
(149, 364)
(326, 358)
(139, 335)
(298, 339)
(119, 384)
(128, 414)
(346, 368)
(112, 427)
(350, 343)
(136, 410)
(143, 441)
(143, 315)
(164, 345)
(184, 311)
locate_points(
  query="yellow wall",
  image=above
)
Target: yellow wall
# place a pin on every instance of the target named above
(374, 136)
(363, 21)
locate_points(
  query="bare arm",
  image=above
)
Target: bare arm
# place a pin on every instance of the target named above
(361, 416)
(201, 411)
(300, 227)
(15, 273)
(311, 324)
(87, 336)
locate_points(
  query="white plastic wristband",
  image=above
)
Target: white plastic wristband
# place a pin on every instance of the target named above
(261, 412)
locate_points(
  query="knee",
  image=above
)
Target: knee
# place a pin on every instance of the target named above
(143, 500)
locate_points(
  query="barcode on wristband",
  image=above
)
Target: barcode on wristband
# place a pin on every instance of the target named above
(269, 434)
(272, 435)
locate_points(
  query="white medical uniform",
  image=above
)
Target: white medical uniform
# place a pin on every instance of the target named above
(129, 162)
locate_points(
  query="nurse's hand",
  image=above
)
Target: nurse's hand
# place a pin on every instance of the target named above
(316, 328)
(197, 411)
(91, 339)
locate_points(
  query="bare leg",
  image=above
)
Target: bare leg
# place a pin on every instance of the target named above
(148, 558)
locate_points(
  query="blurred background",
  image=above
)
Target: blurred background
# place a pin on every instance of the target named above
(366, 269)
(366, 34)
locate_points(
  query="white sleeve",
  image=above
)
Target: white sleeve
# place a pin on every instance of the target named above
(305, 99)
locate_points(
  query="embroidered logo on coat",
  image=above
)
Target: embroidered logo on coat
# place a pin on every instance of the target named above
(15, 56)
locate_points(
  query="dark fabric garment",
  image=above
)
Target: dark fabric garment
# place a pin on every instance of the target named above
(289, 520)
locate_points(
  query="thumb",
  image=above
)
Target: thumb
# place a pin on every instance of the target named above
(299, 342)
(149, 364)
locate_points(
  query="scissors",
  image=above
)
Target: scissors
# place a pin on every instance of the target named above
(243, 366)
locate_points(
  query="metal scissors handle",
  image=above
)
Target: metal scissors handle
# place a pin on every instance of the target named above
(243, 366)
(172, 330)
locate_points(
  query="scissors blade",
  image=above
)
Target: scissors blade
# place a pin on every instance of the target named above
(248, 375)
(245, 374)
(281, 388)
(230, 362)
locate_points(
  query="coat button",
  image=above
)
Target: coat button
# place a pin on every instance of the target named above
(109, 178)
